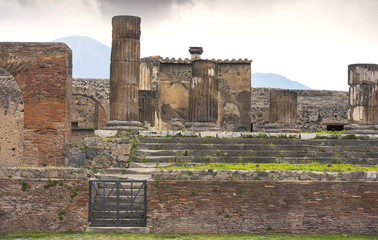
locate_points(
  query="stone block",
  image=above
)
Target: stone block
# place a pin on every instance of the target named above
(105, 133)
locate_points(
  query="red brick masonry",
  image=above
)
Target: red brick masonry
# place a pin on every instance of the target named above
(305, 207)
(46, 89)
(30, 205)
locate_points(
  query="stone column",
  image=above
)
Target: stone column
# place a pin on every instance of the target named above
(124, 73)
(283, 111)
(363, 98)
(203, 96)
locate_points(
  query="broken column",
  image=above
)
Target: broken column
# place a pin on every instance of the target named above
(203, 96)
(195, 52)
(124, 73)
(282, 111)
(363, 98)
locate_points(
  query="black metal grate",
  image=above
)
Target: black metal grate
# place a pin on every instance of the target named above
(117, 203)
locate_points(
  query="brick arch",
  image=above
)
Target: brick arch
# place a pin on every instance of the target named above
(13, 64)
(96, 89)
(96, 101)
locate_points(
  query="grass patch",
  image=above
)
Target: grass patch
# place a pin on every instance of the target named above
(112, 236)
(278, 166)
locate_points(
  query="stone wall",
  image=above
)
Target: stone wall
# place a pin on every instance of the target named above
(31, 205)
(235, 95)
(299, 207)
(11, 121)
(315, 108)
(46, 88)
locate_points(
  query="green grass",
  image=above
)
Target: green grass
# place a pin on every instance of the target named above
(112, 236)
(279, 166)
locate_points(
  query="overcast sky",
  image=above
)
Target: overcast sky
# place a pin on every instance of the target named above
(309, 41)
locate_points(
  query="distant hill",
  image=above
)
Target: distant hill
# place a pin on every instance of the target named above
(90, 58)
(272, 80)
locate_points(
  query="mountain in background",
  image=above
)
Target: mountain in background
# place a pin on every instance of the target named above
(90, 58)
(272, 80)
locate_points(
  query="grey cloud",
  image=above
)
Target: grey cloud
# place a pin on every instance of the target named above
(149, 10)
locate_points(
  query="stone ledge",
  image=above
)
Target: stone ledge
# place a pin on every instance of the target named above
(271, 175)
(47, 173)
(254, 135)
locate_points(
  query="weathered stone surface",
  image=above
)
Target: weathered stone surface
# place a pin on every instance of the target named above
(124, 69)
(363, 94)
(31, 205)
(296, 207)
(11, 121)
(49, 173)
(107, 152)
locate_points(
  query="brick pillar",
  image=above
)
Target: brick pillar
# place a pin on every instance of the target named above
(124, 73)
(283, 107)
(363, 98)
(203, 95)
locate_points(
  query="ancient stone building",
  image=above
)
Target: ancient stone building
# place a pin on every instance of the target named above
(43, 71)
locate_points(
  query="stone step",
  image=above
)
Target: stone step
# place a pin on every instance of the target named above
(97, 206)
(249, 159)
(156, 147)
(148, 165)
(284, 141)
(123, 177)
(255, 153)
(133, 230)
(122, 198)
(126, 171)
(109, 222)
(125, 185)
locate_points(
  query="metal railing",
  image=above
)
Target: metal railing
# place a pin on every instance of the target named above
(117, 203)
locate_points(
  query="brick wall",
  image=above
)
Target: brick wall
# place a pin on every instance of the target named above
(30, 205)
(46, 88)
(302, 207)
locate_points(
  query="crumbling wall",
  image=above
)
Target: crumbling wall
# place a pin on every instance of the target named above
(46, 88)
(11, 121)
(235, 95)
(174, 94)
(315, 107)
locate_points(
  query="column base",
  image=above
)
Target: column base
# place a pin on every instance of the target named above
(361, 129)
(124, 125)
(202, 127)
(282, 127)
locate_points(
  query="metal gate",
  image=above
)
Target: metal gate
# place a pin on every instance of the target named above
(117, 203)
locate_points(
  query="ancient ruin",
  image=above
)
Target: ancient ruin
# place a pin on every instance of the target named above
(124, 73)
(159, 112)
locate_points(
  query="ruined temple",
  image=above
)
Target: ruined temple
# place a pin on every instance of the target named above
(159, 112)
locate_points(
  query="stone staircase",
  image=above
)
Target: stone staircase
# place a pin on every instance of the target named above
(155, 151)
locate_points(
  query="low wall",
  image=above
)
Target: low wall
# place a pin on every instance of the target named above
(31, 205)
(299, 207)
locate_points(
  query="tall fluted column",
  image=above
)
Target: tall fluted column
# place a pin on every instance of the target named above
(203, 96)
(124, 73)
(203, 92)
(283, 107)
(282, 112)
(363, 98)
